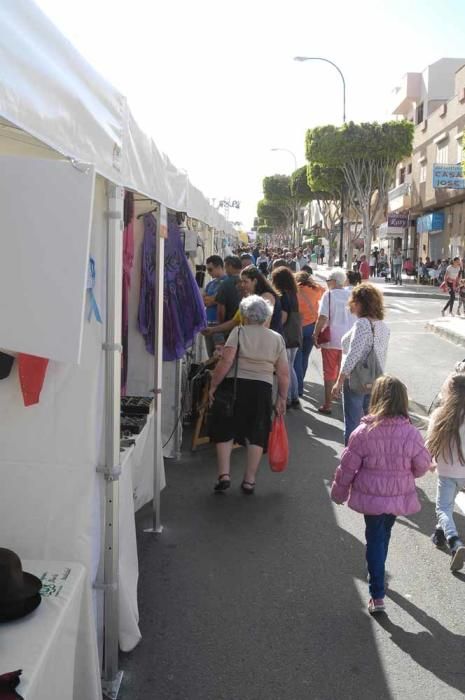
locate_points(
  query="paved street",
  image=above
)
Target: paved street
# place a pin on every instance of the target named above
(264, 597)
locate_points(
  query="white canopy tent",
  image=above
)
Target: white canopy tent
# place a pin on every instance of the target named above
(53, 105)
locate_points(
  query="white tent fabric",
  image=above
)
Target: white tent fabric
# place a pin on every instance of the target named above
(87, 118)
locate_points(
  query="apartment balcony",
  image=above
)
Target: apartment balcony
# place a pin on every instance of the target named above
(399, 198)
(405, 94)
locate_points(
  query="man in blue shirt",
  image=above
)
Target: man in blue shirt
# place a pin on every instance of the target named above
(215, 269)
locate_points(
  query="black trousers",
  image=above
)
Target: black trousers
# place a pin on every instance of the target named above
(450, 303)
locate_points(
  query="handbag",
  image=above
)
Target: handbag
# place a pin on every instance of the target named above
(292, 329)
(324, 336)
(278, 445)
(366, 371)
(225, 395)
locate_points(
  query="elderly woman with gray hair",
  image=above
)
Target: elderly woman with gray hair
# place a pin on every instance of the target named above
(251, 357)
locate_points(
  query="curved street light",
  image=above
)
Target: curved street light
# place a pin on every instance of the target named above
(301, 59)
(286, 150)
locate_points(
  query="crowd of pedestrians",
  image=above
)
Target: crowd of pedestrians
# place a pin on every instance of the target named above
(265, 315)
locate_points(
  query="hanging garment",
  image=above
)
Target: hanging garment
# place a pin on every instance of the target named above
(146, 315)
(183, 308)
(31, 377)
(128, 259)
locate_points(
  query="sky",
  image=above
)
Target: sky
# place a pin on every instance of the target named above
(214, 81)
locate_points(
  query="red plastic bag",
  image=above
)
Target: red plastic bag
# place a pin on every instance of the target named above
(278, 445)
(443, 287)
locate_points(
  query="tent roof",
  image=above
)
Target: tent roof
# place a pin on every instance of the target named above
(49, 91)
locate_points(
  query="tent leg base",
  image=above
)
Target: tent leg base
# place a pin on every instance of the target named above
(110, 689)
(155, 530)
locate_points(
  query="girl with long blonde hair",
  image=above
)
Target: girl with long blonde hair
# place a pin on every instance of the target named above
(446, 442)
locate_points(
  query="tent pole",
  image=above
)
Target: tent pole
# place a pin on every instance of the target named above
(111, 678)
(178, 410)
(157, 527)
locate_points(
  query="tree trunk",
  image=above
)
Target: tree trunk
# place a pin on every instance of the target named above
(367, 231)
(331, 256)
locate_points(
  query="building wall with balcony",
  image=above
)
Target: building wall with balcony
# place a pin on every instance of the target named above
(419, 94)
(439, 140)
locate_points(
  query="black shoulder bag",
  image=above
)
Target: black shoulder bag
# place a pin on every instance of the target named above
(225, 395)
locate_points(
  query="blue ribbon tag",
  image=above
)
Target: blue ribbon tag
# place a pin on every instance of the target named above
(94, 309)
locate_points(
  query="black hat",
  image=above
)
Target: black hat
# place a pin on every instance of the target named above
(19, 591)
(6, 363)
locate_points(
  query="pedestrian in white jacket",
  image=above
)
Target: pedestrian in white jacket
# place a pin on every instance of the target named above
(446, 442)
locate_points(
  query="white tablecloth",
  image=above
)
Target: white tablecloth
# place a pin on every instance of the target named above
(56, 645)
(136, 489)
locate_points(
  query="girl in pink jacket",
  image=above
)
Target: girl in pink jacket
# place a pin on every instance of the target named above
(385, 455)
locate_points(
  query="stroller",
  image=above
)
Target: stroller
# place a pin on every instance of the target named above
(385, 271)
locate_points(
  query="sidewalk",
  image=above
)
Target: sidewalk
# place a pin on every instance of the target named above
(450, 327)
(409, 287)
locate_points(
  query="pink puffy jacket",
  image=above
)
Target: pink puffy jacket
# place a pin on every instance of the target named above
(379, 467)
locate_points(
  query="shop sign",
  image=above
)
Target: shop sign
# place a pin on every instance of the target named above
(397, 220)
(448, 177)
(431, 222)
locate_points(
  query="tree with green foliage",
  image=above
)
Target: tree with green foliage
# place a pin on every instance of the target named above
(326, 184)
(367, 155)
(283, 196)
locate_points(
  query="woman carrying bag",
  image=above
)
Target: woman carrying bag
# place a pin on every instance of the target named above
(240, 391)
(364, 350)
(284, 283)
(333, 322)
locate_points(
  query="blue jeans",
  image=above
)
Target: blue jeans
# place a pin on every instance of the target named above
(445, 498)
(293, 392)
(397, 270)
(355, 406)
(303, 355)
(377, 533)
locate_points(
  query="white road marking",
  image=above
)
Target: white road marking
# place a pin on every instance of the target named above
(403, 307)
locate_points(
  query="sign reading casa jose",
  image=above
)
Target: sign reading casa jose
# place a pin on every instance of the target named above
(449, 177)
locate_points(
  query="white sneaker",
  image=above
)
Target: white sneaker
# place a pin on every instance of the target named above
(458, 558)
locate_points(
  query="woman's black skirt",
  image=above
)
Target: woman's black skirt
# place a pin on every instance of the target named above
(251, 418)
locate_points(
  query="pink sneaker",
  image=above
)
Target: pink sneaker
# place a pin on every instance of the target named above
(376, 605)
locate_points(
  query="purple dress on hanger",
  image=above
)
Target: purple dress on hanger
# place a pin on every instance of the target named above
(146, 316)
(183, 308)
(128, 258)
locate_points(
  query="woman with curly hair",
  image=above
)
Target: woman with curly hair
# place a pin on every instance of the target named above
(369, 331)
(284, 283)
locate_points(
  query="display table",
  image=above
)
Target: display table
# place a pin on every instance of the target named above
(55, 646)
(136, 489)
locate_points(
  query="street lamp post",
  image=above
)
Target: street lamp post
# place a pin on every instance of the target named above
(286, 150)
(326, 60)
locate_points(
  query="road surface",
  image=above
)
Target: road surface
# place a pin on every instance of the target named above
(264, 597)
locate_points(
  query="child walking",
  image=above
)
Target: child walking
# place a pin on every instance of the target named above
(446, 442)
(385, 455)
